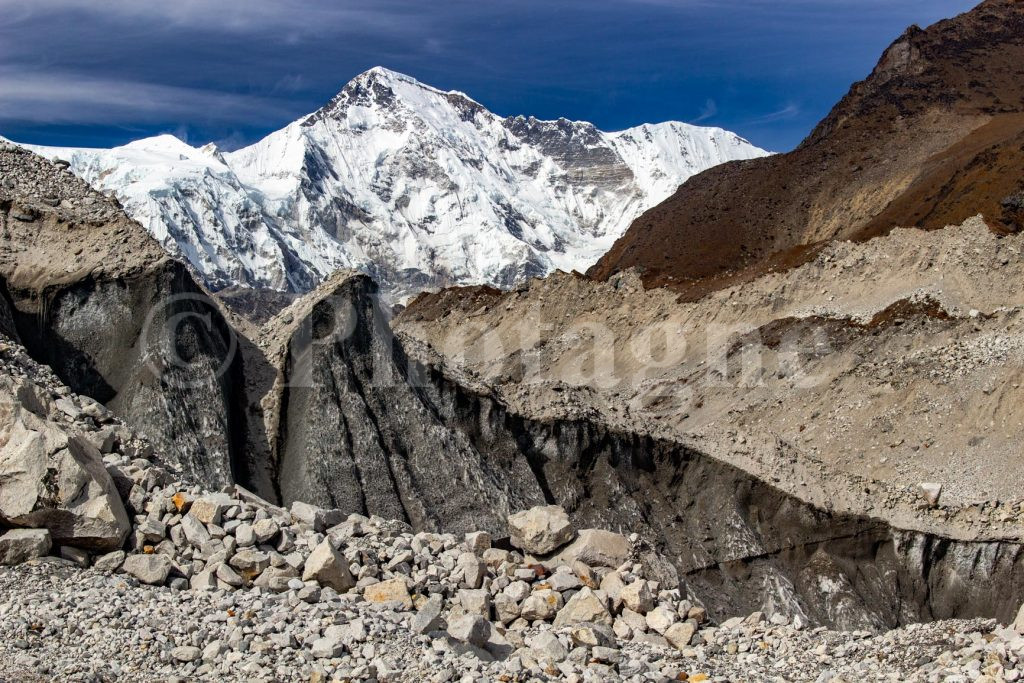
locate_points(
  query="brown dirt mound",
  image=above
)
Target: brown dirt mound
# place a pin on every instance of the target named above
(934, 135)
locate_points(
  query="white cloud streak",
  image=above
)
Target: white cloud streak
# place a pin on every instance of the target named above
(72, 98)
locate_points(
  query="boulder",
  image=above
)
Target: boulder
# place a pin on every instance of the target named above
(329, 567)
(392, 590)
(637, 596)
(593, 547)
(541, 529)
(679, 634)
(316, 517)
(584, 606)
(470, 628)
(541, 605)
(151, 569)
(21, 545)
(57, 482)
(428, 618)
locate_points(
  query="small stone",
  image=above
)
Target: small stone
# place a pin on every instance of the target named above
(76, 555)
(186, 653)
(930, 492)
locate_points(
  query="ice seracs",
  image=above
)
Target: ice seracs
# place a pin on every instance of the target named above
(415, 186)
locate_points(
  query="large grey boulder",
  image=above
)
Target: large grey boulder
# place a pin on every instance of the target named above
(55, 481)
(21, 545)
(540, 529)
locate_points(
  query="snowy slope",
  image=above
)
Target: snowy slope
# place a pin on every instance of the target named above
(418, 187)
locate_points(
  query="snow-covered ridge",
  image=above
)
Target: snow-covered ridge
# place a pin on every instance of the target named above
(416, 186)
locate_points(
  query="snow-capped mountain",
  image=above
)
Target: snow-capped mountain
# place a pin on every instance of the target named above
(415, 186)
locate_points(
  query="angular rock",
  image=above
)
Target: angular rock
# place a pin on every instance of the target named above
(680, 634)
(21, 545)
(506, 610)
(541, 529)
(392, 590)
(151, 569)
(470, 628)
(594, 547)
(59, 483)
(209, 508)
(593, 635)
(930, 492)
(265, 530)
(660, 619)
(476, 601)
(547, 648)
(478, 541)
(195, 531)
(637, 596)
(428, 618)
(584, 606)
(110, 562)
(473, 569)
(541, 605)
(329, 568)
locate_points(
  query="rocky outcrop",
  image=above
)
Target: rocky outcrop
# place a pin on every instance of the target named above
(95, 298)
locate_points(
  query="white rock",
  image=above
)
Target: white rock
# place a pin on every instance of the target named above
(328, 567)
(541, 529)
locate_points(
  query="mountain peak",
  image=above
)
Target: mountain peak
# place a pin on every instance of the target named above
(383, 88)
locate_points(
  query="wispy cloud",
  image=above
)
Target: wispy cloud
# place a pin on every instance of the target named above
(59, 98)
(707, 111)
(790, 111)
(287, 16)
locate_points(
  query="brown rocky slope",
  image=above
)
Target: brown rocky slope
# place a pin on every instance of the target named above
(933, 136)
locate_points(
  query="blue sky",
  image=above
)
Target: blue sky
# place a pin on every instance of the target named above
(104, 72)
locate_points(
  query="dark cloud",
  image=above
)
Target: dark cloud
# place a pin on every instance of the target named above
(107, 71)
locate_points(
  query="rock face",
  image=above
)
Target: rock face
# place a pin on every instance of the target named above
(456, 194)
(98, 300)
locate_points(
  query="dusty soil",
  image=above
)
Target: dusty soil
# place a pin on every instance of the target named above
(847, 381)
